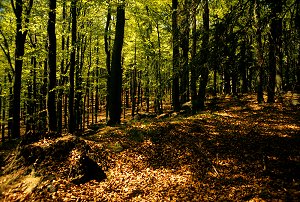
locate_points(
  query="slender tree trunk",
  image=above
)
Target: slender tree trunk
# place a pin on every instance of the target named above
(205, 52)
(51, 101)
(279, 58)
(62, 72)
(89, 96)
(78, 71)
(72, 68)
(148, 38)
(275, 51)
(147, 90)
(287, 37)
(97, 100)
(3, 115)
(19, 53)
(6, 52)
(194, 68)
(30, 102)
(227, 85)
(272, 65)
(115, 99)
(1, 108)
(133, 85)
(159, 90)
(185, 54)
(175, 33)
(139, 92)
(234, 80)
(260, 84)
(107, 52)
(244, 68)
(297, 22)
(43, 107)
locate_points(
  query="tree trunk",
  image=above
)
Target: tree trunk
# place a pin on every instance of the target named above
(3, 114)
(30, 101)
(133, 85)
(194, 68)
(185, 53)
(1, 107)
(244, 68)
(78, 75)
(260, 84)
(205, 55)
(275, 51)
(139, 92)
(159, 90)
(51, 101)
(227, 85)
(43, 114)
(115, 102)
(107, 52)
(297, 22)
(72, 68)
(175, 33)
(62, 73)
(272, 65)
(19, 53)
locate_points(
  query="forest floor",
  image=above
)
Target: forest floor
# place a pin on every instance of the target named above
(234, 150)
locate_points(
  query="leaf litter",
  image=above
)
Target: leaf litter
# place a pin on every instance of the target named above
(237, 151)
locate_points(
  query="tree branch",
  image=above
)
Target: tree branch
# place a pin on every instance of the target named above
(13, 6)
(7, 53)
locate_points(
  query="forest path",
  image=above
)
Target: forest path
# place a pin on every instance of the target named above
(235, 150)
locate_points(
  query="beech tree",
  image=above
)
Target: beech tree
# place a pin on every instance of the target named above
(72, 67)
(115, 102)
(18, 7)
(175, 32)
(52, 66)
(76, 61)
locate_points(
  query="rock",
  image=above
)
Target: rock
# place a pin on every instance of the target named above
(61, 149)
(85, 170)
(31, 154)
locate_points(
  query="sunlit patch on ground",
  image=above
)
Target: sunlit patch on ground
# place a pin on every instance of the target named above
(239, 151)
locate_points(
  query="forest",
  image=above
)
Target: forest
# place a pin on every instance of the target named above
(161, 100)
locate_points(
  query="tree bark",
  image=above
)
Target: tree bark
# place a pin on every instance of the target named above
(3, 102)
(185, 54)
(194, 67)
(260, 84)
(115, 99)
(274, 49)
(175, 33)
(19, 53)
(62, 73)
(72, 68)
(205, 56)
(51, 101)
(107, 52)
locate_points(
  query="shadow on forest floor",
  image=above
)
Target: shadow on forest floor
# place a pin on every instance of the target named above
(235, 150)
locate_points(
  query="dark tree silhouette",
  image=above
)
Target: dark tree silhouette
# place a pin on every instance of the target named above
(51, 104)
(115, 103)
(72, 68)
(18, 7)
(175, 32)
